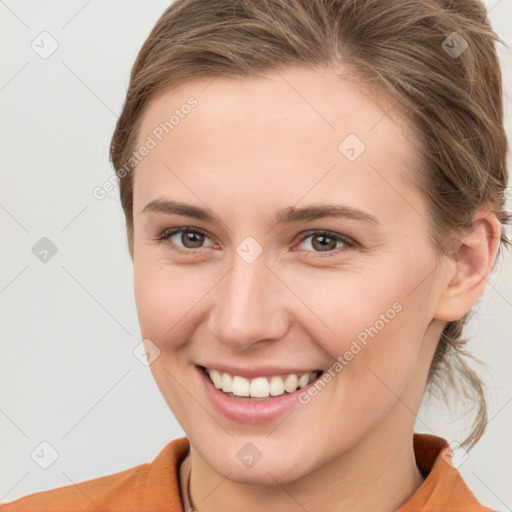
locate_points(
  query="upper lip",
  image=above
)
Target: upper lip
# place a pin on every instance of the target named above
(261, 371)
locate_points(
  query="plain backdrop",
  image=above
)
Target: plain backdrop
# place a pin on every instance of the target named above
(68, 375)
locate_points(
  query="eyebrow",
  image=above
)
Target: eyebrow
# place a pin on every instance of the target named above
(284, 216)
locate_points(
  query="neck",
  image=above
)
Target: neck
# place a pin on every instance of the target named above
(378, 474)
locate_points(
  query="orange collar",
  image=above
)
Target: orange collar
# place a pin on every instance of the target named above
(442, 490)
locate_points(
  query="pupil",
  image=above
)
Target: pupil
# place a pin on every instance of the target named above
(195, 239)
(323, 246)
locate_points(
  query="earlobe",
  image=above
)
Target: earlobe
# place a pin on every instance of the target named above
(472, 265)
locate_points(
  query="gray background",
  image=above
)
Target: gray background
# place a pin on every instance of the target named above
(69, 325)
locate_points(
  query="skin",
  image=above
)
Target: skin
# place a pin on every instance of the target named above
(250, 148)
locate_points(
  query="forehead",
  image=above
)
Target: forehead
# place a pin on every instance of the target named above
(282, 130)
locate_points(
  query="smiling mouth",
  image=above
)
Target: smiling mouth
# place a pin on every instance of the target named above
(259, 388)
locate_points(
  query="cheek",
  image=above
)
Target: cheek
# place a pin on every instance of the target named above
(171, 301)
(341, 306)
(368, 321)
(163, 298)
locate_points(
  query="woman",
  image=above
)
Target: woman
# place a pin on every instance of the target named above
(314, 201)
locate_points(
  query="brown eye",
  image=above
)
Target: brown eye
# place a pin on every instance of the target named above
(184, 239)
(326, 242)
(191, 239)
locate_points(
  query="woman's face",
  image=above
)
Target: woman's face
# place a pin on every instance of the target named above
(259, 285)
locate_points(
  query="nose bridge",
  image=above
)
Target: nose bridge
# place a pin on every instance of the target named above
(245, 309)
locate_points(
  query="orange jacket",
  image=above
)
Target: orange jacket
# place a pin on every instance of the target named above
(154, 486)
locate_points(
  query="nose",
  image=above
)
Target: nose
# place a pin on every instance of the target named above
(249, 305)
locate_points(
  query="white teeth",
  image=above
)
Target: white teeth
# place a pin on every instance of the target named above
(240, 386)
(259, 387)
(277, 386)
(304, 380)
(226, 383)
(216, 378)
(290, 384)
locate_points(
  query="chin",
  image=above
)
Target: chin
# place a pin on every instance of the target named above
(276, 468)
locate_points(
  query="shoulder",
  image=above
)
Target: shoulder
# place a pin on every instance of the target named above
(443, 487)
(91, 495)
(133, 489)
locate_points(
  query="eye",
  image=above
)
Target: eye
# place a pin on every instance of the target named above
(328, 242)
(191, 238)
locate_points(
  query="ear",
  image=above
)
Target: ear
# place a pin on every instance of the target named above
(470, 267)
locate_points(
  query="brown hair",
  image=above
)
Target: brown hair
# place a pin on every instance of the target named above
(454, 102)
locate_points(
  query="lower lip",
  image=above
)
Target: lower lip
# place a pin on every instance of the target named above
(244, 411)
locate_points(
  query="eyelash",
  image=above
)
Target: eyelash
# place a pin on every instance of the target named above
(349, 242)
